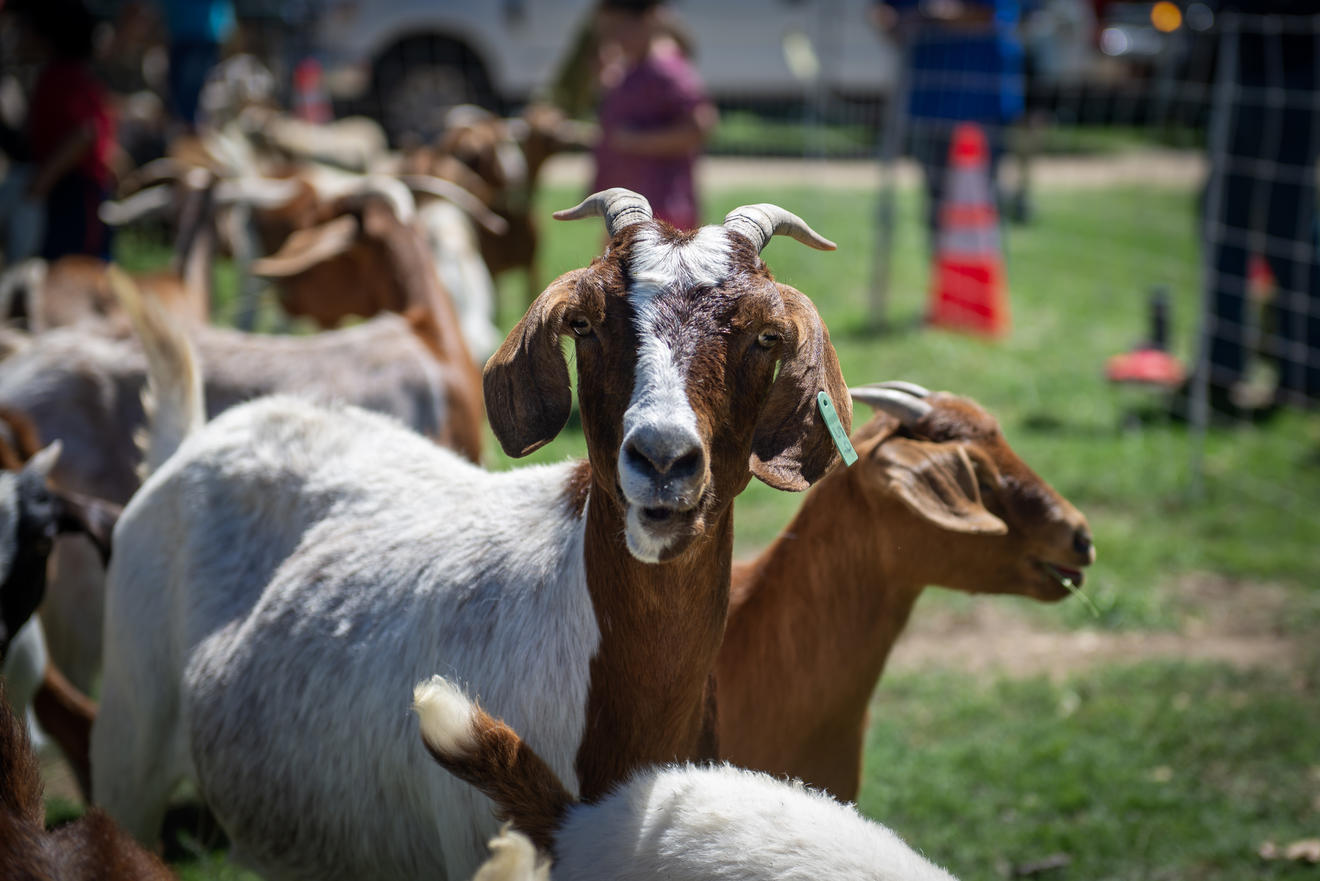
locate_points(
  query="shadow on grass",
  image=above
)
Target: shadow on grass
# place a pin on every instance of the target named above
(189, 832)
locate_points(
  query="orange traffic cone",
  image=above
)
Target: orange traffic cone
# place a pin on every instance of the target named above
(967, 284)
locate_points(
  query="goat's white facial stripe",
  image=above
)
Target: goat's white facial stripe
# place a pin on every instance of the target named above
(657, 265)
(659, 393)
(660, 419)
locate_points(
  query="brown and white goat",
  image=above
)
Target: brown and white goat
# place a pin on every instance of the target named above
(586, 599)
(75, 289)
(677, 822)
(91, 848)
(371, 259)
(507, 155)
(937, 497)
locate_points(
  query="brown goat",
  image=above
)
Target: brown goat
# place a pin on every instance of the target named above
(507, 155)
(75, 288)
(91, 848)
(369, 261)
(937, 497)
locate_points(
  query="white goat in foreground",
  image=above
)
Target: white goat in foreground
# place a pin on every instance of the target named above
(675, 822)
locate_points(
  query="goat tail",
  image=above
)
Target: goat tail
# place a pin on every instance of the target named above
(21, 807)
(513, 857)
(490, 756)
(173, 399)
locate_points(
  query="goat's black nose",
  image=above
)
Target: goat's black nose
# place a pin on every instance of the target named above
(1082, 543)
(658, 453)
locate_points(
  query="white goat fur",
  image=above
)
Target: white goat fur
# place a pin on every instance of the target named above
(309, 557)
(451, 238)
(84, 388)
(691, 823)
(513, 857)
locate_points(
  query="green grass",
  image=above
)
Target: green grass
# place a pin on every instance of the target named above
(1157, 770)
(1079, 277)
(1160, 770)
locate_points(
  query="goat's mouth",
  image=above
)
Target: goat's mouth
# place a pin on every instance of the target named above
(1066, 576)
(656, 533)
(1055, 581)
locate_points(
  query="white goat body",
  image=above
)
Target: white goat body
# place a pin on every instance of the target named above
(84, 388)
(676, 822)
(313, 530)
(451, 238)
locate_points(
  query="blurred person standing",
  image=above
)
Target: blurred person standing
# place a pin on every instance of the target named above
(198, 30)
(964, 65)
(654, 112)
(71, 131)
(1266, 179)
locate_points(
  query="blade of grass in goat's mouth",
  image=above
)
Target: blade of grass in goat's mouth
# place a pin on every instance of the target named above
(1066, 577)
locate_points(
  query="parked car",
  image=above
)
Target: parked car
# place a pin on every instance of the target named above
(408, 61)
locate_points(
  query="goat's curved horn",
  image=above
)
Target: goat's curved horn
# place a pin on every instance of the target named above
(143, 203)
(620, 208)
(916, 391)
(462, 115)
(43, 462)
(261, 192)
(158, 171)
(908, 409)
(332, 186)
(759, 222)
(460, 196)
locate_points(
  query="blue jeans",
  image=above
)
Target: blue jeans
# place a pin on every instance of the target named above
(190, 64)
(72, 224)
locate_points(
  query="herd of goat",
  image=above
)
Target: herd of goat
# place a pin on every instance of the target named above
(265, 547)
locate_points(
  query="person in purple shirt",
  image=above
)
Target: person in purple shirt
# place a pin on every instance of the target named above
(654, 113)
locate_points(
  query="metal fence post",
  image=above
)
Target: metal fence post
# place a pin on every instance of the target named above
(1199, 398)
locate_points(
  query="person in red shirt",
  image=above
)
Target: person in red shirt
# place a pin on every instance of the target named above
(70, 130)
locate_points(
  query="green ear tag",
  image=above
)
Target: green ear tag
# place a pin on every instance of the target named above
(831, 417)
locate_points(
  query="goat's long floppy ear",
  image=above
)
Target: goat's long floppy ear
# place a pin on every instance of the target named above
(936, 481)
(526, 380)
(792, 448)
(306, 248)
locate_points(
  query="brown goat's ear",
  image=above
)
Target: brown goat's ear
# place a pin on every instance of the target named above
(937, 482)
(792, 448)
(526, 381)
(306, 248)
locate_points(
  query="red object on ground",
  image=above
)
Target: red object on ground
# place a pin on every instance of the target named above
(1147, 367)
(310, 101)
(1260, 278)
(968, 291)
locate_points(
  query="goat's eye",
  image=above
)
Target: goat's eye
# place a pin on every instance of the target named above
(579, 325)
(768, 339)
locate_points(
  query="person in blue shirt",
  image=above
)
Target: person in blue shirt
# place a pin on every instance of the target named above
(964, 65)
(198, 29)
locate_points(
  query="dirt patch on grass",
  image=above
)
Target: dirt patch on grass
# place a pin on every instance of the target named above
(1223, 620)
